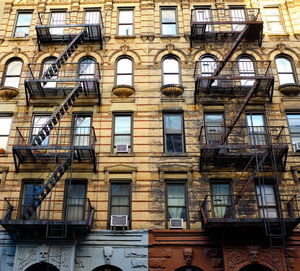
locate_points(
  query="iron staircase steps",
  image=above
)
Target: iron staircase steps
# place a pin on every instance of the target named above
(57, 115)
(56, 230)
(67, 53)
(54, 178)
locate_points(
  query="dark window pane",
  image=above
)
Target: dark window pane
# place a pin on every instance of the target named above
(174, 143)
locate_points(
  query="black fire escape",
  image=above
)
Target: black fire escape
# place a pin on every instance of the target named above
(257, 153)
(51, 143)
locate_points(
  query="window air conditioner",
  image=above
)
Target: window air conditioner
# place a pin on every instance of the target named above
(20, 34)
(297, 147)
(176, 223)
(122, 148)
(119, 221)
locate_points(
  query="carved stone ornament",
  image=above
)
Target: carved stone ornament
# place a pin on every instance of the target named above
(124, 49)
(289, 89)
(107, 253)
(7, 93)
(235, 258)
(44, 253)
(172, 90)
(123, 91)
(253, 253)
(281, 47)
(170, 48)
(16, 50)
(207, 47)
(188, 255)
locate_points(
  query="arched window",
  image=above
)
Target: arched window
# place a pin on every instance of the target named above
(46, 64)
(208, 65)
(285, 70)
(246, 69)
(13, 72)
(171, 71)
(124, 71)
(87, 68)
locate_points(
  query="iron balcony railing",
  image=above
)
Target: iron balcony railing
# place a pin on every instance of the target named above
(70, 210)
(236, 78)
(250, 207)
(225, 16)
(60, 138)
(243, 136)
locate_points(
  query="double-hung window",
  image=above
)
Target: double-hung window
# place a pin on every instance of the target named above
(122, 133)
(204, 15)
(266, 201)
(237, 14)
(214, 125)
(125, 22)
(285, 70)
(257, 132)
(38, 122)
(294, 126)
(82, 129)
(171, 71)
(274, 21)
(23, 23)
(221, 198)
(124, 71)
(169, 21)
(58, 20)
(13, 71)
(173, 133)
(120, 198)
(176, 200)
(5, 124)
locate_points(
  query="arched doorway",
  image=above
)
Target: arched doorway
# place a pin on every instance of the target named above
(42, 266)
(107, 267)
(188, 268)
(255, 267)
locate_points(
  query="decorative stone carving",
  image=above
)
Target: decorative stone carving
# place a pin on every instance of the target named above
(160, 253)
(158, 263)
(108, 252)
(16, 50)
(170, 48)
(217, 263)
(235, 258)
(290, 264)
(25, 256)
(253, 253)
(124, 49)
(123, 91)
(171, 90)
(213, 252)
(281, 47)
(207, 47)
(137, 263)
(291, 252)
(7, 93)
(135, 253)
(44, 253)
(188, 255)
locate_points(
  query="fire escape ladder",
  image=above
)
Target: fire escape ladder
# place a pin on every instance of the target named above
(62, 59)
(229, 54)
(52, 179)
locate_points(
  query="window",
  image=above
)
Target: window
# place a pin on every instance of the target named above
(124, 71)
(208, 65)
(285, 70)
(221, 198)
(294, 127)
(23, 24)
(171, 74)
(246, 69)
(214, 123)
(120, 198)
(266, 201)
(38, 122)
(87, 68)
(82, 129)
(125, 22)
(92, 17)
(256, 129)
(5, 124)
(173, 133)
(168, 21)
(273, 19)
(46, 64)
(122, 133)
(31, 188)
(75, 200)
(237, 14)
(57, 18)
(176, 201)
(13, 73)
(203, 15)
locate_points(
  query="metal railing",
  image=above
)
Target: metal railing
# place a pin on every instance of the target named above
(70, 210)
(243, 136)
(250, 207)
(60, 138)
(70, 18)
(225, 16)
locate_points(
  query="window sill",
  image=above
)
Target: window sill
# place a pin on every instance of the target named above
(18, 39)
(125, 37)
(3, 154)
(169, 36)
(176, 154)
(122, 154)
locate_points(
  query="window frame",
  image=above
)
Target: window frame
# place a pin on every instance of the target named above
(181, 113)
(293, 72)
(162, 23)
(32, 134)
(186, 199)
(8, 62)
(120, 9)
(209, 10)
(179, 74)
(119, 181)
(289, 127)
(80, 62)
(116, 71)
(269, 29)
(16, 21)
(113, 146)
(6, 115)
(73, 127)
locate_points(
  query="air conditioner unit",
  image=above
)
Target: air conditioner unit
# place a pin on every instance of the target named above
(119, 221)
(297, 147)
(122, 148)
(176, 223)
(20, 34)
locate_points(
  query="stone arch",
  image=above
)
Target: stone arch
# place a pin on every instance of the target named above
(81, 55)
(42, 57)
(42, 266)
(124, 51)
(251, 53)
(9, 56)
(283, 51)
(107, 267)
(255, 267)
(201, 53)
(189, 267)
(170, 50)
